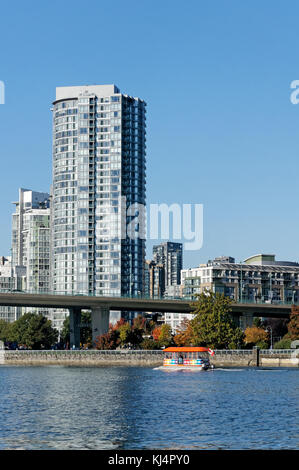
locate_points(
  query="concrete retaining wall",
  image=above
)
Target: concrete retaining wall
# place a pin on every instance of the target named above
(85, 358)
(236, 358)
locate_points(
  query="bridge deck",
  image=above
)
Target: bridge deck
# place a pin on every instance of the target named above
(18, 299)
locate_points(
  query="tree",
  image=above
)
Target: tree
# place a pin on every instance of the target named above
(257, 322)
(156, 333)
(85, 331)
(108, 340)
(184, 334)
(279, 326)
(65, 332)
(118, 324)
(293, 325)
(124, 333)
(139, 323)
(257, 336)
(35, 331)
(149, 343)
(165, 337)
(5, 330)
(213, 324)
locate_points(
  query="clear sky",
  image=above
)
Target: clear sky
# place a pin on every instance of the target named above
(216, 77)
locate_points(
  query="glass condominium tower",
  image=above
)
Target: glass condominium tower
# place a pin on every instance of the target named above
(98, 174)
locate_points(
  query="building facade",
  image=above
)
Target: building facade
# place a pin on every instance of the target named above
(259, 279)
(154, 279)
(11, 279)
(31, 249)
(170, 256)
(98, 191)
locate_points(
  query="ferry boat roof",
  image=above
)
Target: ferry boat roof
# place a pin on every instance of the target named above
(186, 349)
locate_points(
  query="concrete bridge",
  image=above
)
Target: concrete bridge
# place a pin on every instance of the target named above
(101, 306)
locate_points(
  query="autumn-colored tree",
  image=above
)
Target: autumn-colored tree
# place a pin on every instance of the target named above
(118, 324)
(293, 325)
(108, 340)
(139, 323)
(184, 334)
(213, 324)
(156, 333)
(165, 336)
(149, 343)
(150, 326)
(256, 336)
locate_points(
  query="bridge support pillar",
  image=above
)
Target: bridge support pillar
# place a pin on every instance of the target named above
(75, 320)
(99, 321)
(246, 320)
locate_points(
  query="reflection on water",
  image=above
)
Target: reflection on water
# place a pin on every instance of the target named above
(59, 407)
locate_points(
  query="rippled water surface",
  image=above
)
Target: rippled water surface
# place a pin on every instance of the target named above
(59, 407)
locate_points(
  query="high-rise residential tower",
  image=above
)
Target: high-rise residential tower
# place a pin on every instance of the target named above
(30, 263)
(31, 237)
(98, 181)
(170, 255)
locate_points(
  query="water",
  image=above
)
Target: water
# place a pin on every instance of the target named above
(59, 407)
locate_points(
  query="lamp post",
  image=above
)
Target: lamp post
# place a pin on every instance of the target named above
(269, 327)
(270, 287)
(293, 296)
(241, 284)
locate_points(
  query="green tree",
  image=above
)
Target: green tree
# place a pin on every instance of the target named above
(5, 330)
(124, 333)
(85, 331)
(65, 332)
(35, 331)
(257, 322)
(213, 324)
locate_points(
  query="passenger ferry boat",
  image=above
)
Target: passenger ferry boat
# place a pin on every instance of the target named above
(191, 358)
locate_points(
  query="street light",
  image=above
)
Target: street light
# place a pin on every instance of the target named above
(270, 288)
(293, 296)
(241, 284)
(269, 327)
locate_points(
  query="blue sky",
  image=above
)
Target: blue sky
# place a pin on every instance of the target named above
(216, 76)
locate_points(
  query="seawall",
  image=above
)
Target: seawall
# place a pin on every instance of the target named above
(222, 358)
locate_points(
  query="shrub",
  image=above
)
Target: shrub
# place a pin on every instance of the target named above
(284, 343)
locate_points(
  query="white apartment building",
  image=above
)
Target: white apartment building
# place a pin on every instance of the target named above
(98, 171)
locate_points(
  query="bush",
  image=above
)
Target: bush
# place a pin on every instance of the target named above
(262, 345)
(148, 343)
(284, 343)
